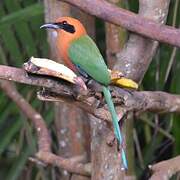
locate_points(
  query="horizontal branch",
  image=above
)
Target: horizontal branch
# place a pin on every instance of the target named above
(21, 76)
(129, 20)
(159, 102)
(67, 164)
(66, 90)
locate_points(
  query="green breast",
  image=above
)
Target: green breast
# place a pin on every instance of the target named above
(84, 53)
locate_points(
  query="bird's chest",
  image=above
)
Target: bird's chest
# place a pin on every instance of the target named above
(63, 45)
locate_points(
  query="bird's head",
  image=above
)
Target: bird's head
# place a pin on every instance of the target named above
(67, 27)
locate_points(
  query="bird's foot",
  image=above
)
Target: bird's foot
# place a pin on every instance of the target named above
(115, 75)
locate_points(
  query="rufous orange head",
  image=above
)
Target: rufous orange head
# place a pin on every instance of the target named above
(68, 29)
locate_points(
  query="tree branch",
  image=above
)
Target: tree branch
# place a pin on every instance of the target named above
(21, 76)
(67, 164)
(129, 20)
(156, 102)
(165, 169)
(159, 102)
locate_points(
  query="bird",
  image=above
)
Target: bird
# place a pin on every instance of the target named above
(80, 53)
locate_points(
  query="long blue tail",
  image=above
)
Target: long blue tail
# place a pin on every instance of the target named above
(117, 130)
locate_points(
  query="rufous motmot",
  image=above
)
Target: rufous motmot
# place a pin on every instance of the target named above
(80, 53)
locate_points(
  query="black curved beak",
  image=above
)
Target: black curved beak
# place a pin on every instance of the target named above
(52, 26)
(60, 25)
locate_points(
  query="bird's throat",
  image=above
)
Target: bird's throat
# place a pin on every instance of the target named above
(63, 44)
(64, 40)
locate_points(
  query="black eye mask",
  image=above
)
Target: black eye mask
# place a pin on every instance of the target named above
(66, 27)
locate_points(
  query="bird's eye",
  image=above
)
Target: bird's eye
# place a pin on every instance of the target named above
(64, 22)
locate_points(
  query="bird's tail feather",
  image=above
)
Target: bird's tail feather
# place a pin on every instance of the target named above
(117, 130)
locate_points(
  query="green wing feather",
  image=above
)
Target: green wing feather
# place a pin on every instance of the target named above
(84, 53)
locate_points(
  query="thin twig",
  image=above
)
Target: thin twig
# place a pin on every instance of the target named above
(68, 164)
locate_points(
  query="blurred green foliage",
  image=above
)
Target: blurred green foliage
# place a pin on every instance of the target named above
(21, 38)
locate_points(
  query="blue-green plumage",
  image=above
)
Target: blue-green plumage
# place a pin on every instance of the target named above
(84, 53)
(117, 131)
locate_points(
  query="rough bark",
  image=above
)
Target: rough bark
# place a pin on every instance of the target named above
(158, 102)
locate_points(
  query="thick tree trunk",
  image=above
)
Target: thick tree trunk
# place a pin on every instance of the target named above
(106, 164)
